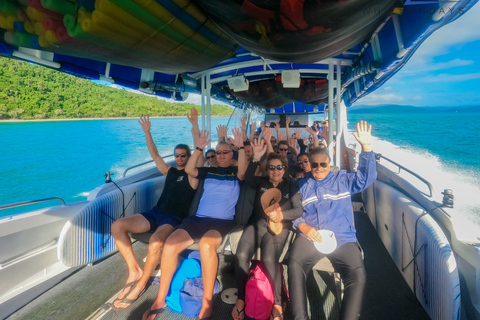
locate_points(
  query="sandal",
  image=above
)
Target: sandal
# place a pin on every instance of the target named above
(130, 301)
(239, 312)
(277, 316)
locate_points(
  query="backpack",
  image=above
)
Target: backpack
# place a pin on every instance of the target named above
(191, 296)
(258, 294)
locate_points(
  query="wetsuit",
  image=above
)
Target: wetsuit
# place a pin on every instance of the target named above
(256, 233)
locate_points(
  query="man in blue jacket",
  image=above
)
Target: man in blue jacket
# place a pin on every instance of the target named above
(328, 206)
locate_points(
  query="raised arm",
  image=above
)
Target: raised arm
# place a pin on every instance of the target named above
(287, 126)
(315, 137)
(193, 118)
(152, 148)
(259, 149)
(253, 129)
(244, 128)
(202, 142)
(267, 134)
(237, 141)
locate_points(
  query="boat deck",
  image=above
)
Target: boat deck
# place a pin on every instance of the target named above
(83, 294)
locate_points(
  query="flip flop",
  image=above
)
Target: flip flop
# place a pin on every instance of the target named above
(155, 312)
(130, 285)
(240, 311)
(131, 301)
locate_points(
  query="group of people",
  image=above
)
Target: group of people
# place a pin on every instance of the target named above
(313, 197)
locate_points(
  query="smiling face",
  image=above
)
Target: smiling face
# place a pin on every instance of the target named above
(211, 157)
(283, 149)
(274, 174)
(225, 156)
(181, 158)
(304, 163)
(320, 165)
(248, 152)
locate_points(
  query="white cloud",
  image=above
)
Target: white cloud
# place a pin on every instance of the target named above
(378, 98)
(451, 77)
(437, 66)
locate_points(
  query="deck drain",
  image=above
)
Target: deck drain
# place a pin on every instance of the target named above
(229, 296)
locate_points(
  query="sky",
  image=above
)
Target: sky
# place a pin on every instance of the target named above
(445, 70)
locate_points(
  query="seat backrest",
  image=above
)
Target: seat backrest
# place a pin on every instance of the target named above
(196, 199)
(245, 203)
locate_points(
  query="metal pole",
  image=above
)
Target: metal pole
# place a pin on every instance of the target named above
(330, 108)
(338, 115)
(209, 113)
(203, 102)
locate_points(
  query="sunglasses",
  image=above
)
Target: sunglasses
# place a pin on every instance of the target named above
(183, 155)
(224, 151)
(210, 157)
(273, 140)
(303, 161)
(272, 168)
(321, 164)
(283, 149)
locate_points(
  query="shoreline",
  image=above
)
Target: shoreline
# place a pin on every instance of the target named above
(86, 119)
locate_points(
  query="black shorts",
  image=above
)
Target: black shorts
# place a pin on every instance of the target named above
(157, 219)
(198, 226)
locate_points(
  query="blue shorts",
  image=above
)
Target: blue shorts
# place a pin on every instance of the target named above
(157, 219)
(198, 226)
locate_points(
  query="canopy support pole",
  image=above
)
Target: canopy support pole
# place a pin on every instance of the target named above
(339, 119)
(206, 104)
(331, 85)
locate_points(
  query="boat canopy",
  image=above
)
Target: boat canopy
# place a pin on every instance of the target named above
(284, 56)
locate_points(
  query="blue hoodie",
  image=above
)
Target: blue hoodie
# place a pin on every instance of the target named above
(327, 203)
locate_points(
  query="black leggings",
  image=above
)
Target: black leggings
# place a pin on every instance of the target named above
(254, 236)
(346, 259)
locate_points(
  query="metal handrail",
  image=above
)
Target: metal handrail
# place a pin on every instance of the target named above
(400, 167)
(19, 204)
(135, 166)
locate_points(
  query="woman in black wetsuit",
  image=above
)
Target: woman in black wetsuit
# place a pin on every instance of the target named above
(257, 234)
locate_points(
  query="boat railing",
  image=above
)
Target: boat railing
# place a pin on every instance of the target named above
(400, 168)
(135, 166)
(24, 203)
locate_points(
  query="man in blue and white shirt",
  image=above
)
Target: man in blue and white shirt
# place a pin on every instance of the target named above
(326, 197)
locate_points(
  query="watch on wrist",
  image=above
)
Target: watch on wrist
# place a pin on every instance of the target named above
(199, 149)
(255, 160)
(241, 148)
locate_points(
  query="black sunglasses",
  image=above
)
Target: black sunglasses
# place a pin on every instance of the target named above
(321, 164)
(183, 155)
(303, 161)
(224, 151)
(279, 167)
(209, 157)
(283, 149)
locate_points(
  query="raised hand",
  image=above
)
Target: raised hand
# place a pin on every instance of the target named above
(221, 131)
(262, 125)
(237, 138)
(310, 232)
(259, 147)
(202, 140)
(364, 135)
(293, 144)
(324, 133)
(277, 126)
(243, 121)
(305, 141)
(145, 123)
(282, 135)
(310, 130)
(267, 133)
(298, 133)
(287, 122)
(193, 116)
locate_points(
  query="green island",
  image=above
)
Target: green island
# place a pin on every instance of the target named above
(29, 91)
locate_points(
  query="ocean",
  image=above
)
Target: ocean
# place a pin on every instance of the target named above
(68, 159)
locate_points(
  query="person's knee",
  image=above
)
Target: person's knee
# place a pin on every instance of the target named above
(118, 227)
(356, 277)
(171, 248)
(208, 245)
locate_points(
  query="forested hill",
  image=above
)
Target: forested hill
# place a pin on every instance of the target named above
(30, 91)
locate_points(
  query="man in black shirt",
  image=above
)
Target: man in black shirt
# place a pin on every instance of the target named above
(171, 208)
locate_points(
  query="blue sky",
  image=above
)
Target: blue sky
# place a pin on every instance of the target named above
(445, 70)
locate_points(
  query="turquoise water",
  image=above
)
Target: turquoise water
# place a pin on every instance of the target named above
(68, 159)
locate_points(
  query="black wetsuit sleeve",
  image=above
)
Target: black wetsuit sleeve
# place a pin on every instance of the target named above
(296, 201)
(250, 178)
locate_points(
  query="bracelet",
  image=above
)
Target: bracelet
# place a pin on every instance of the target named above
(241, 148)
(199, 149)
